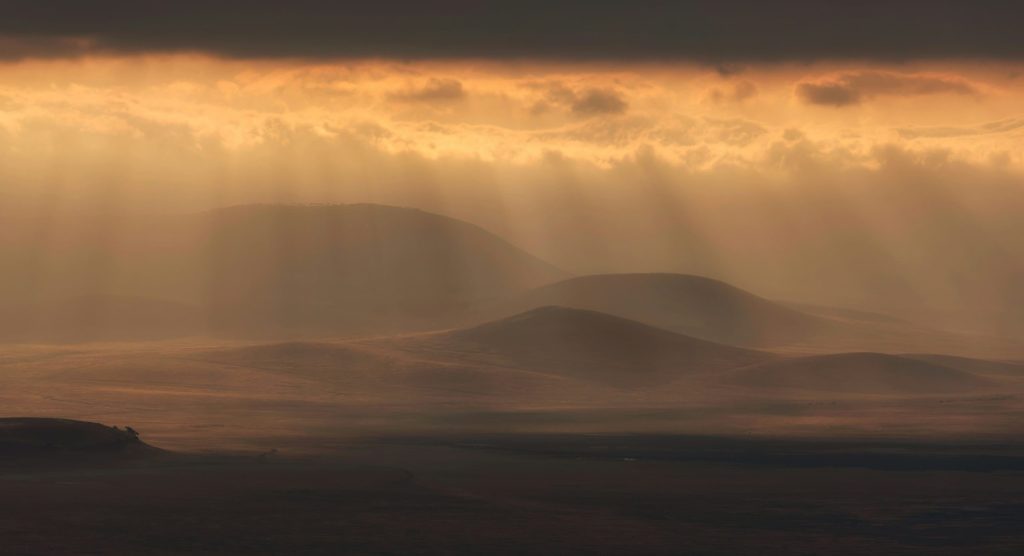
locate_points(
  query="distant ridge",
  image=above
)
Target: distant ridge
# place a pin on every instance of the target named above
(269, 271)
(360, 266)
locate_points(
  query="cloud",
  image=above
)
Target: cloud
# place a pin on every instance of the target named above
(828, 94)
(7, 103)
(680, 135)
(435, 90)
(583, 102)
(739, 92)
(592, 114)
(793, 134)
(593, 102)
(990, 128)
(723, 33)
(735, 132)
(609, 132)
(852, 88)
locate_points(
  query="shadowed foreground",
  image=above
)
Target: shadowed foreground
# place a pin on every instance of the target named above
(53, 440)
(627, 494)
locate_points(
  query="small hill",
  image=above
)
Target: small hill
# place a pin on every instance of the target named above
(859, 373)
(595, 346)
(353, 267)
(34, 437)
(692, 305)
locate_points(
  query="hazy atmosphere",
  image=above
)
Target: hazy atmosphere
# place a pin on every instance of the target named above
(512, 277)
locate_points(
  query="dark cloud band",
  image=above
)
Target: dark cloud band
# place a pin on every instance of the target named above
(719, 31)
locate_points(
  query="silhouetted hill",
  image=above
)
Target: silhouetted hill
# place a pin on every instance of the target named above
(691, 305)
(63, 439)
(345, 267)
(859, 373)
(595, 346)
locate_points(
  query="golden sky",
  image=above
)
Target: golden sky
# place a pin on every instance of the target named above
(879, 181)
(207, 123)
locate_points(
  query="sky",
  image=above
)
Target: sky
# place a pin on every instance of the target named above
(861, 153)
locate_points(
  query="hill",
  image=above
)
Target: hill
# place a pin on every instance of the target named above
(859, 373)
(262, 271)
(594, 346)
(36, 437)
(353, 267)
(692, 305)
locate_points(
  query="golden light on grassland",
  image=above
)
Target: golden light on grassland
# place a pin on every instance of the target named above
(733, 172)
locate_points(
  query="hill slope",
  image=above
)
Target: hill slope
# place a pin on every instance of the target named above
(594, 346)
(58, 438)
(262, 270)
(859, 373)
(353, 266)
(691, 305)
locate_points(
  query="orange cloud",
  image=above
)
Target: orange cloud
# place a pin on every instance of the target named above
(738, 92)
(435, 90)
(853, 88)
